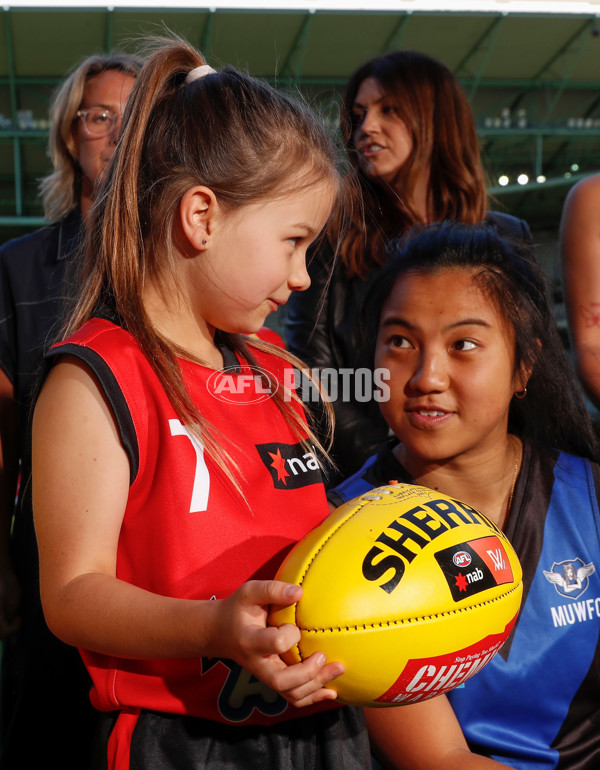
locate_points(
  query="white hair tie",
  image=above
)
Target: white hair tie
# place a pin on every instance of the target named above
(199, 72)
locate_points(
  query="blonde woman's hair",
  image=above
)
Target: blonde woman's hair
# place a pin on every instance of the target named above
(238, 136)
(60, 190)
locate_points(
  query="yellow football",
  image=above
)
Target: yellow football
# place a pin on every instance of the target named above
(412, 590)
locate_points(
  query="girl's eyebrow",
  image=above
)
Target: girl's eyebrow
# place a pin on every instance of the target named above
(399, 321)
(302, 226)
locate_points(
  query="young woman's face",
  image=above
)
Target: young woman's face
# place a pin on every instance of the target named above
(109, 90)
(450, 355)
(256, 257)
(381, 137)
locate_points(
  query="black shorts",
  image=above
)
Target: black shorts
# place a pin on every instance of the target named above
(331, 740)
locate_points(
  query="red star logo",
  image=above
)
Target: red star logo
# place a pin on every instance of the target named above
(279, 465)
(461, 582)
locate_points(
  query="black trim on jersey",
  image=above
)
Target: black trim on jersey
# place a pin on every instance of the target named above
(115, 397)
(387, 467)
(577, 740)
(531, 500)
(230, 360)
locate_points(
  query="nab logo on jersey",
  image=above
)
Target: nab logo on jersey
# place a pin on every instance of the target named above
(291, 466)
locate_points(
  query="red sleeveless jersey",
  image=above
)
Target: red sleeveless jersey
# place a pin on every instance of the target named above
(187, 532)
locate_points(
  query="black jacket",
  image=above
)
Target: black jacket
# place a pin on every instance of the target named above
(322, 330)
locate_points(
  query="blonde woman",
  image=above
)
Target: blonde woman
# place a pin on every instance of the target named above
(39, 675)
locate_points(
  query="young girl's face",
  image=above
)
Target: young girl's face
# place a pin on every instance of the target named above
(256, 257)
(450, 354)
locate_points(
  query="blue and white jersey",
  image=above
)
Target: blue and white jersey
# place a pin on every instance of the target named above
(536, 705)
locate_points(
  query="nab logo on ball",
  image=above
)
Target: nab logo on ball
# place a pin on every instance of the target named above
(478, 565)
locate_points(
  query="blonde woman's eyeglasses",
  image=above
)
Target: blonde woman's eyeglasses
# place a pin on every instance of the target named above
(98, 121)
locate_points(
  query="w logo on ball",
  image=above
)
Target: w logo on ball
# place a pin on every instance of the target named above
(497, 557)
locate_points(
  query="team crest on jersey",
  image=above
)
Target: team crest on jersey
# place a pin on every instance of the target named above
(291, 466)
(570, 577)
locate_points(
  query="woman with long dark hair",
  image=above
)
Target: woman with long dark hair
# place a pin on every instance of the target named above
(411, 141)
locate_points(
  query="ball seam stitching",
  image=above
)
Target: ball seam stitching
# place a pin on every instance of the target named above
(408, 621)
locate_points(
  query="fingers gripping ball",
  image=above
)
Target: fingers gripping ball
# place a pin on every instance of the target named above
(412, 590)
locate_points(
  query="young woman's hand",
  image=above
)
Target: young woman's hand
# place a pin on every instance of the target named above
(244, 636)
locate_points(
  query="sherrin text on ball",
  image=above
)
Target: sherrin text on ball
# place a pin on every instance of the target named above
(412, 590)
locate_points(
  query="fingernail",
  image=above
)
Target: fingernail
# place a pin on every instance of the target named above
(290, 591)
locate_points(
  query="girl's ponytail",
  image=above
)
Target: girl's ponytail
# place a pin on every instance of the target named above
(227, 131)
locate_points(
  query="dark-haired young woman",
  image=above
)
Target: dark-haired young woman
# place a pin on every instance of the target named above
(485, 407)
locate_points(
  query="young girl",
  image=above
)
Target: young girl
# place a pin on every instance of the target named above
(172, 467)
(485, 407)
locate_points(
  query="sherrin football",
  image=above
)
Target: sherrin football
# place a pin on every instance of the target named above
(412, 590)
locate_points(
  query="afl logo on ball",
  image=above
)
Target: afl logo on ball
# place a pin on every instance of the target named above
(462, 559)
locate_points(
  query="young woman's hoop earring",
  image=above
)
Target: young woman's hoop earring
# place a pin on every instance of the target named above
(521, 393)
